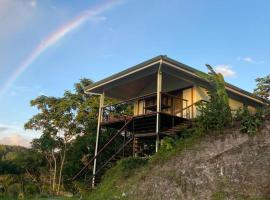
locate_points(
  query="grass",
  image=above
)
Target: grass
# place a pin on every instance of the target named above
(115, 177)
(54, 198)
(40, 198)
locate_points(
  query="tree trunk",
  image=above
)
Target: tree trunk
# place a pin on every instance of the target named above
(54, 173)
(61, 168)
(50, 172)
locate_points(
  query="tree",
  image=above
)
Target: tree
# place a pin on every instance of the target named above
(63, 121)
(68, 126)
(216, 113)
(46, 121)
(46, 145)
(263, 87)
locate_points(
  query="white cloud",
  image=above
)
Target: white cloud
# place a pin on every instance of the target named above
(248, 59)
(16, 135)
(33, 3)
(15, 139)
(97, 19)
(225, 70)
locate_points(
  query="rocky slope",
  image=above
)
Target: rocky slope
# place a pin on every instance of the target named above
(229, 166)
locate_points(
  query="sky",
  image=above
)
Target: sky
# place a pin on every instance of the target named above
(47, 46)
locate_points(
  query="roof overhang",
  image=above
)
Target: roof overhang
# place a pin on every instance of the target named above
(133, 81)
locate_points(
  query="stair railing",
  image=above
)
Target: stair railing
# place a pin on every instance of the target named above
(103, 148)
(112, 157)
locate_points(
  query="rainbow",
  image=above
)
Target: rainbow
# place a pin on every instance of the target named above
(55, 37)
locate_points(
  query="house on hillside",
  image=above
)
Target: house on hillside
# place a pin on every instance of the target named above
(155, 98)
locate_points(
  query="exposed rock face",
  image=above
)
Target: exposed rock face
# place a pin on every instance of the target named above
(230, 166)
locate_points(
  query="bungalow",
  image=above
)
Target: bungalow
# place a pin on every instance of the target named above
(155, 98)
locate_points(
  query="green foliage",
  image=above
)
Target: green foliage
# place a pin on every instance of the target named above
(215, 114)
(62, 120)
(7, 167)
(31, 190)
(219, 196)
(249, 123)
(172, 146)
(6, 151)
(118, 174)
(167, 144)
(263, 87)
(127, 166)
(68, 126)
(19, 171)
(119, 179)
(14, 190)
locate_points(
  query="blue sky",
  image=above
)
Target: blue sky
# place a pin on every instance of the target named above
(231, 35)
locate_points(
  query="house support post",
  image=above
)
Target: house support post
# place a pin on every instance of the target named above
(100, 112)
(159, 89)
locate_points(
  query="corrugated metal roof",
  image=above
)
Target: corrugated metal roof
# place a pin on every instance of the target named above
(171, 61)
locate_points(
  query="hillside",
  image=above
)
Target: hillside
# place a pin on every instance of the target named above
(228, 166)
(8, 151)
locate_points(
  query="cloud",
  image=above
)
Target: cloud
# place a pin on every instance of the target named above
(33, 3)
(248, 59)
(225, 70)
(97, 19)
(16, 135)
(15, 139)
(2, 129)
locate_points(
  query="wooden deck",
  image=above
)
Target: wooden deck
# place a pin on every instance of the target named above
(145, 125)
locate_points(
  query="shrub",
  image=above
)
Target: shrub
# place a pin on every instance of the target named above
(249, 123)
(127, 166)
(167, 144)
(31, 189)
(14, 190)
(21, 195)
(215, 114)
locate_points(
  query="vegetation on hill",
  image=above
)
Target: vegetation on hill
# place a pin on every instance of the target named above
(216, 166)
(263, 87)
(200, 164)
(68, 127)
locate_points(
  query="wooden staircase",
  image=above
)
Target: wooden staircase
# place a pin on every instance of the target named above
(119, 154)
(177, 129)
(138, 126)
(112, 161)
(144, 124)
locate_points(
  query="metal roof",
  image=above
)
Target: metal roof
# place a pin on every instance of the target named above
(174, 63)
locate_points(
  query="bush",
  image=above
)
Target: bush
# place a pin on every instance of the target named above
(14, 190)
(249, 123)
(31, 189)
(215, 114)
(167, 144)
(128, 165)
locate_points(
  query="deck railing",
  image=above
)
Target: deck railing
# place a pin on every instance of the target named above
(123, 109)
(170, 104)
